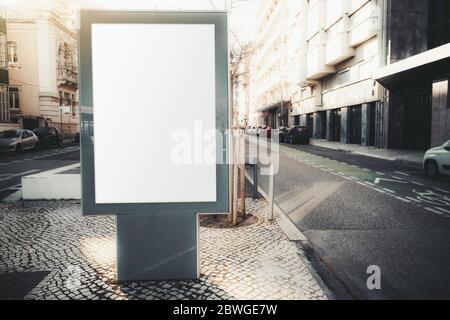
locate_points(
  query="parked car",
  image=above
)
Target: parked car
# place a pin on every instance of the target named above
(298, 135)
(437, 161)
(18, 140)
(283, 134)
(48, 136)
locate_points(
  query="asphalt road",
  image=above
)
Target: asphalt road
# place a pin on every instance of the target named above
(358, 212)
(13, 167)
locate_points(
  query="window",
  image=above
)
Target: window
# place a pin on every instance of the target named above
(438, 23)
(4, 104)
(14, 103)
(73, 107)
(3, 54)
(12, 52)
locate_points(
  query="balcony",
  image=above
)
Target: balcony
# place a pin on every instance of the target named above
(68, 77)
(364, 31)
(335, 10)
(364, 24)
(316, 18)
(316, 67)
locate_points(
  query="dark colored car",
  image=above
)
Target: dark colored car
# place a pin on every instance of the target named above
(283, 134)
(298, 135)
(48, 137)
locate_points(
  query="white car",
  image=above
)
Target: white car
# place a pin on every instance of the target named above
(18, 140)
(437, 161)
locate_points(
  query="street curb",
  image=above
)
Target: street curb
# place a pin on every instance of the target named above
(374, 156)
(284, 222)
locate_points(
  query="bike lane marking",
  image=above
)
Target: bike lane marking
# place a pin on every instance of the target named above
(398, 187)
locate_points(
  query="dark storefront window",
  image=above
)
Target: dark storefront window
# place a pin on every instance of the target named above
(438, 23)
(296, 120)
(310, 123)
(335, 124)
(354, 125)
(371, 125)
(416, 120)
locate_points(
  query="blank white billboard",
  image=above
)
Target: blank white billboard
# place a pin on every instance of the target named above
(153, 84)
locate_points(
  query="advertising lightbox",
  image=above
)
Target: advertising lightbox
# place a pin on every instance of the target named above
(154, 112)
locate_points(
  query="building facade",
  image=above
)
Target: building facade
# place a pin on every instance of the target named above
(366, 72)
(5, 112)
(270, 71)
(336, 97)
(42, 47)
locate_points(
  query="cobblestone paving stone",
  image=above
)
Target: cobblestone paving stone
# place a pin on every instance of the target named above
(256, 262)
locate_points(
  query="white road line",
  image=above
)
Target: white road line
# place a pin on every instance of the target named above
(398, 178)
(404, 200)
(11, 188)
(434, 211)
(442, 190)
(389, 190)
(369, 183)
(417, 183)
(443, 210)
(413, 199)
(402, 173)
(14, 197)
(380, 173)
(18, 175)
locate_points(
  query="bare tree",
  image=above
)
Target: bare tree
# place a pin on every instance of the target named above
(238, 53)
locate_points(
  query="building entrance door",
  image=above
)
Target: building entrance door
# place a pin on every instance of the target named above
(416, 120)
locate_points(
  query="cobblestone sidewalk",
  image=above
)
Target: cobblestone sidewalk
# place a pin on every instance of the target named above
(256, 262)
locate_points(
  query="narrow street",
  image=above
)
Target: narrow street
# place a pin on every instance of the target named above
(13, 167)
(357, 212)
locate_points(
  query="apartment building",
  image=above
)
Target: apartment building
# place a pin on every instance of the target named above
(270, 70)
(336, 97)
(367, 72)
(240, 74)
(42, 45)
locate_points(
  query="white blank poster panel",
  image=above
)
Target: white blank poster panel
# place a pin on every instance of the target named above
(148, 81)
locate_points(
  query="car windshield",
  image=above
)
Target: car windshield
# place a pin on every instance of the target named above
(9, 134)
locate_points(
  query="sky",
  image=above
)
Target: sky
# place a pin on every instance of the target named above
(242, 19)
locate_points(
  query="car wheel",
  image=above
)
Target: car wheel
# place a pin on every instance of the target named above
(19, 148)
(431, 169)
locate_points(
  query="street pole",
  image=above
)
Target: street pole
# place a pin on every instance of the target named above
(271, 192)
(60, 120)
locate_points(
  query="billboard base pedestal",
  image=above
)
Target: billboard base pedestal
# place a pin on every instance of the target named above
(157, 247)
